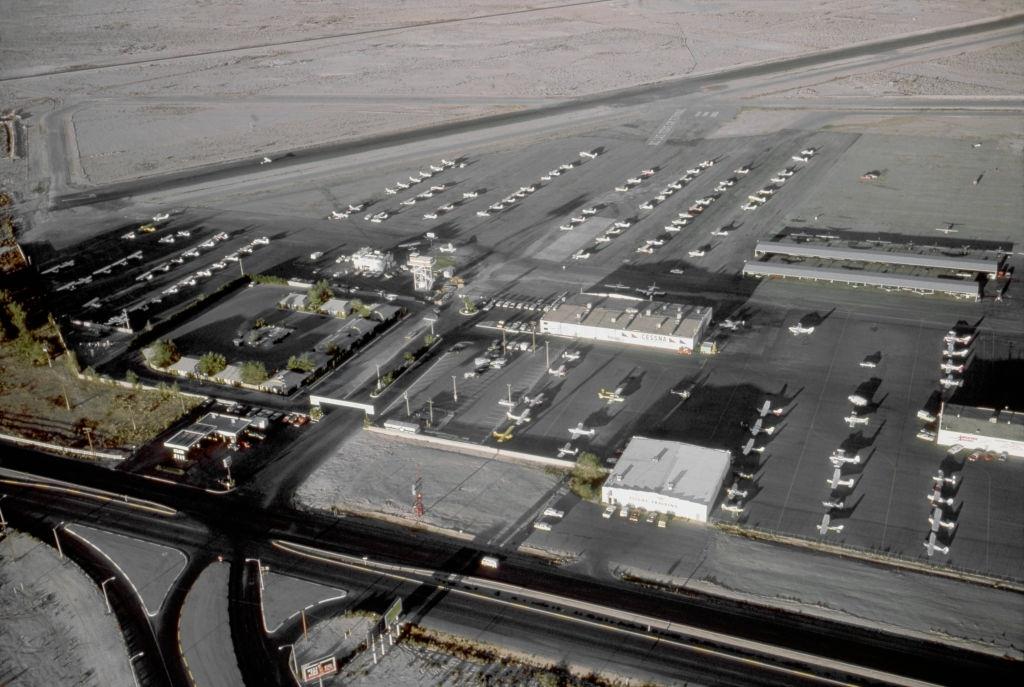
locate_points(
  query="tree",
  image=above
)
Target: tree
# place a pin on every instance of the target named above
(260, 323)
(302, 363)
(586, 477)
(429, 339)
(253, 372)
(131, 378)
(468, 306)
(211, 363)
(409, 357)
(319, 294)
(164, 353)
(359, 308)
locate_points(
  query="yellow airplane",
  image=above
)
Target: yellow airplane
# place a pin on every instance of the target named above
(611, 396)
(502, 437)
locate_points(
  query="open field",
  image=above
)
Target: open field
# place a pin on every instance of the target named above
(54, 630)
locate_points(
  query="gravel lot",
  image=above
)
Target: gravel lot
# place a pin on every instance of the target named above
(53, 629)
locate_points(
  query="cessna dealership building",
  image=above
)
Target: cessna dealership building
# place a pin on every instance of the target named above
(652, 324)
(983, 429)
(667, 477)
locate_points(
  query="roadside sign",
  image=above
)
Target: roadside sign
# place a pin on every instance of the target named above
(391, 615)
(317, 670)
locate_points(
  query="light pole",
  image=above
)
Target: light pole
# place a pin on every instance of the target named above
(3, 523)
(455, 390)
(408, 411)
(88, 435)
(292, 665)
(547, 355)
(509, 395)
(60, 551)
(103, 586)
(430, 406)
(131, 664)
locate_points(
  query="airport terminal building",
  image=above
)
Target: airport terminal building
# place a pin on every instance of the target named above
(669, 477)
(984, 429)
(652, 324)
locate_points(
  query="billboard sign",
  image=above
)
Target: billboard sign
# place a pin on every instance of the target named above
(317, 670)
(393, 613)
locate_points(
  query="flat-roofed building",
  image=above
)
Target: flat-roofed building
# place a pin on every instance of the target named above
(372, 260)
(653, 324)
(670, 477)
(984, 429)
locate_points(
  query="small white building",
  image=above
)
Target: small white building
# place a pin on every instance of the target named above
(982, 429)
(372, 260)
(669, 477)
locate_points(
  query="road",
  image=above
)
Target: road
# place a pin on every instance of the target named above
(232, 527)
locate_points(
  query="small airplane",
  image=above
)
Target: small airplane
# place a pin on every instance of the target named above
(735, 509)
(800, 158)
(447, 248)
(436, 168)
(951, 382)
(853, 420)
(587, 154)
(932, 546)
(266, 161)
(581, 431)
(697, 253)
(651, 291)
(741, 170)
(947, 230)
(951, 367)
(941, 478)
(355, 208)
(647, 173)
(533, 402)
(604, 238)
(735, 492)
(952, 352)
(938, 522)
(797, 330)
(161, 217)
(571, 355)
(587, 212)
(765, 408)
(447, 163)
(743, 475)
(469, 195)
(560, 371)
(401, 185)
(733, 325)
(824, 527)
(408, 201)
(519, 418)
(837, 481)
(808, 151)
(612, 396)
(502, 437)
(759, 427)
(951, 336)
(720, 232)
(936, 499)
(839, 458)
(749, 447)
(567, 450)
(622, 225)
(834, 504)
(390, 191)
(338, 215)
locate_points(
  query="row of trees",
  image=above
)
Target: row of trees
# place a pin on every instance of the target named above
(164, 353)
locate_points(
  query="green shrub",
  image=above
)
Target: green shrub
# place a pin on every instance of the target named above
(253, 372)
(319, 294)
(164, 353)
(302, 363)
(211, 363)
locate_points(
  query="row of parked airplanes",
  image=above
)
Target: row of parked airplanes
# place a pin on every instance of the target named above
(379, 217)
(756, 200)
(734, 494)
(523, 191)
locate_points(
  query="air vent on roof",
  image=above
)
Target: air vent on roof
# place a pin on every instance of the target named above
(659, 455)
(670, 485)
(618, 477)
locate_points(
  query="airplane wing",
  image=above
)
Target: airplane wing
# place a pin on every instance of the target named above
(765, 407)
(756, 428)
(748, 446)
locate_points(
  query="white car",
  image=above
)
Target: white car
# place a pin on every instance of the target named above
(697, 253)
(647, 205)
(430, 215)
(742, 170)
(608, 512)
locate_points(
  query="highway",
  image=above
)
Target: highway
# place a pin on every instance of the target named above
(230, 526)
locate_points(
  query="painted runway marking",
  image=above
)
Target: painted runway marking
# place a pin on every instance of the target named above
(662, 133)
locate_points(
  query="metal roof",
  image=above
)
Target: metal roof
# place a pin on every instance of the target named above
(683, 471)
(1001, 424)
(953, 286)
(946, 262)
(652, 317)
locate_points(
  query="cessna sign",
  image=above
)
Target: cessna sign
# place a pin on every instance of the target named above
(318, 670)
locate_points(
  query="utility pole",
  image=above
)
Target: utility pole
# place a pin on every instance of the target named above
(60, 551)
(3, 522)
(509, 395)
(378, 376)
(408, 412)
(547, 355)
(533, 338)
(430, 406)
(88, 435)
(455, 390)
(103, 586)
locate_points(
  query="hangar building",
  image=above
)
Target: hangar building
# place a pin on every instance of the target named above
(667, 477)
(982, 428)
(653, 324)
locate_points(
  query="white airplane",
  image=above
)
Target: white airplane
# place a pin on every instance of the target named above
(808, 151)
(414, 180)
(338, 215)
(869, 362)
(612, 396)
(735, 492)
(744, 475)
(557, 372)
(161, 217)
(683, 393)
(857, 400)
(938, 522)
(633, 181)
(765, 408)
(436, 168)
(951, 367)
(266, 161)
(749, 447)
(947, 230)
(940, 478)
(603, 238)
(587, 212)
(483, 213)
(839, 458)
(853, 420)
(408, 201)
(797, 330)
(824, 528)
(447, 248)
(932, 546)
(749, 206)
(778, 180)
(706, 163)
(587, 154)
(425, 175)
(439, 188)
(646, 205)
(801, 158)
(447, 163)
(952, 352)
(647, 173)
(838, 481)
(951, 382)
(533, 402)
(581, 431)
(936, 499)
(652, 290)
(567, 450)
(355, 208)
(430, 215)
(834, 504)
(401, 185)
(519, 418)
(720, 232)
(733, 325)
(694, 171)
(567, 166)
(571, 355)
(786, 173)
(390, 191)
(735, 509)
(951, 336)
(697, 253)
(646, 249)
(742, 170)
(470, 194)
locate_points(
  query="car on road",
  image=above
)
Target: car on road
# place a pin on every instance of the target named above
(608, 512)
